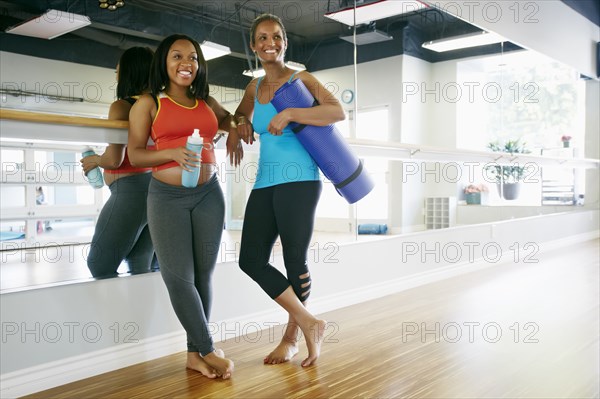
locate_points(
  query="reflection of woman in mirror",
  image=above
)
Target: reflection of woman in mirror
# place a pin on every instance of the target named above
(186, 223)
(121, 232)
(282, 204)
(40, 199)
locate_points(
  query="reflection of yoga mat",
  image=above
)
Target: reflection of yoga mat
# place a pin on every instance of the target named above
(372, 228)
(326, 145)
(11, 235)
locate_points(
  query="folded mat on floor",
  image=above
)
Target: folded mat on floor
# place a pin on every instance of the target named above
(11, 235)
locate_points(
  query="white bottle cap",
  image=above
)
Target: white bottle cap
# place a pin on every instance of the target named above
(195, 138)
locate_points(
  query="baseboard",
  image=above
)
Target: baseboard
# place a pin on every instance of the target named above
(49, 375)
(53, 374)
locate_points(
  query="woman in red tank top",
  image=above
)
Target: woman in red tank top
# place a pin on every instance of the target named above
(186, 224)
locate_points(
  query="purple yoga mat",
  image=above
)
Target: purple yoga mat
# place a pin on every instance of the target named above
(326, 145)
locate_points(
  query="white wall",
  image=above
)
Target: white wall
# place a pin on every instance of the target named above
(549, 27)
(592, 142)
(417, 109)
(96, 85)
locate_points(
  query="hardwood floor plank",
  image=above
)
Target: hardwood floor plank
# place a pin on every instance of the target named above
(515, 330)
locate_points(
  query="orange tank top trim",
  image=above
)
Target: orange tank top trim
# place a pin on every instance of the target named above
(174, 123)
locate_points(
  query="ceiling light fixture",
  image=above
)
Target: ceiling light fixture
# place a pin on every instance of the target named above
(296, 66)
(51, 24)
(377, 10)
(257, 73)
(367, 34)
(464, 41)
(212, 50)
(254, 73)
(111, 4)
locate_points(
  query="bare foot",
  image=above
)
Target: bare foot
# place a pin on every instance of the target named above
(195, 362)
(314, 336)
(284, 352)
(222, 366)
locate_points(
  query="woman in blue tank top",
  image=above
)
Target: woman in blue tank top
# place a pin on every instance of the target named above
(287, 188)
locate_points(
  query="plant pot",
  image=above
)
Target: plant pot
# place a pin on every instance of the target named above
(566, 144)
(473, 198)
(509, 191)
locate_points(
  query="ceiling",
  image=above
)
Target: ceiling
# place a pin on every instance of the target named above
(313, 39)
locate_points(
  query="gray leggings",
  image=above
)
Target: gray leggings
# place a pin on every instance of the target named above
(186, 225)
(121, 232)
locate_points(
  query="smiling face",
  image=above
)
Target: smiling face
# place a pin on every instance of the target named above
(269, 42)
(182, 63)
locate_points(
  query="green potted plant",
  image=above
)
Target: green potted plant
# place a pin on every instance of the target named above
(508, 178)
(566, 140)
(473, 193)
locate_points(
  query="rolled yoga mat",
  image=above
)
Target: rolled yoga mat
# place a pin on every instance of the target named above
(325, 145)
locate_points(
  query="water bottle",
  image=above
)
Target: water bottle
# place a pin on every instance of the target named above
(94, 176)
(194, 143)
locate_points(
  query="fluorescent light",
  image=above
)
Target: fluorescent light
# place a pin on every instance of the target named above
(369, 37)
(257, 73)
(254, 73)
(212, 50)
(374, 11)
(50, 25)
(295, 65)
(464, 41)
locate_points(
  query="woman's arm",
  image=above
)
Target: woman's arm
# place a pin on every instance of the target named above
(223, 116)
(244, 112)
(327, 112)
(226, 123)
(140, 123)
(114, 154)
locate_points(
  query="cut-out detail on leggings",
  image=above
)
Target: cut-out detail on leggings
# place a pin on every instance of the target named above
(305, 283)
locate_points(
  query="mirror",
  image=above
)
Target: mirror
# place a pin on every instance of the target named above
(427, 106)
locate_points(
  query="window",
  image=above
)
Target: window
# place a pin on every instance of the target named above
(374, 207)
(45, 197)
(372, 124)
(525, 96)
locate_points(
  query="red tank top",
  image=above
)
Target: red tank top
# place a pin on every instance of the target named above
(126, 166)
(174, 123)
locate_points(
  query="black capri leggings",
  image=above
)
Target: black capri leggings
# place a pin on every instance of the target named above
(288, 211)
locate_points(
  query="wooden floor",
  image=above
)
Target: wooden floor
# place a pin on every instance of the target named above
(511, 331)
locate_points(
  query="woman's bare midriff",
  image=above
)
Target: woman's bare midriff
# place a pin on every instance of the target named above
(172, 176)
(109, 178)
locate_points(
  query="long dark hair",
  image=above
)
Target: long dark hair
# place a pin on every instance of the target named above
(159, 79)
(134, 70)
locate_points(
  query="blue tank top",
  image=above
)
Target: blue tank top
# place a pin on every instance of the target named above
(282, 159)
